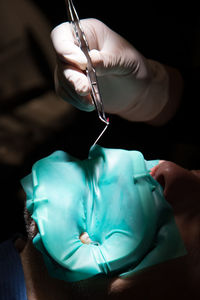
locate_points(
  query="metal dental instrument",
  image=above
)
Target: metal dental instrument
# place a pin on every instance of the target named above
(90, 71)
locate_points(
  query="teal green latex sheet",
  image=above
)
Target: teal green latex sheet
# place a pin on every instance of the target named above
(113, 198)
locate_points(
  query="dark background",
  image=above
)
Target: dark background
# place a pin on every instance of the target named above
(166, 32)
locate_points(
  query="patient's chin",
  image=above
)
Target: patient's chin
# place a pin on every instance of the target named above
(162, 281)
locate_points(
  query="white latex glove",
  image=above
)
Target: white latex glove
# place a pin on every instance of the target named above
(130, 85)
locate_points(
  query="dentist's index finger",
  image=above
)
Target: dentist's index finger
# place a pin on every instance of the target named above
(66, 46)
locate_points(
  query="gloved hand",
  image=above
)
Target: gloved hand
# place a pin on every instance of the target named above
(131, 85)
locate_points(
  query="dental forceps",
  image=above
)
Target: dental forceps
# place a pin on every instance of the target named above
(90, 70)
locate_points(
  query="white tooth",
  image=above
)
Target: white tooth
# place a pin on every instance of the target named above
(84, 238)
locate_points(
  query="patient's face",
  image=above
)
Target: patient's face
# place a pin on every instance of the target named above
(182, 191)
(170, 279)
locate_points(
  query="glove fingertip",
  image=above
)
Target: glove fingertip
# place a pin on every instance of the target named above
(76, 59)
(97, 60)
(78, 80)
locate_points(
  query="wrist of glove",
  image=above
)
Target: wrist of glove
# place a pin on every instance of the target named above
(153, 97)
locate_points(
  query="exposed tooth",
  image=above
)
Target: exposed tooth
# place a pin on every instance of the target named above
(84, 238)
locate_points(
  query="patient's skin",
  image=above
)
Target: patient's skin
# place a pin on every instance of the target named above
(175, 279)
(182, 191)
